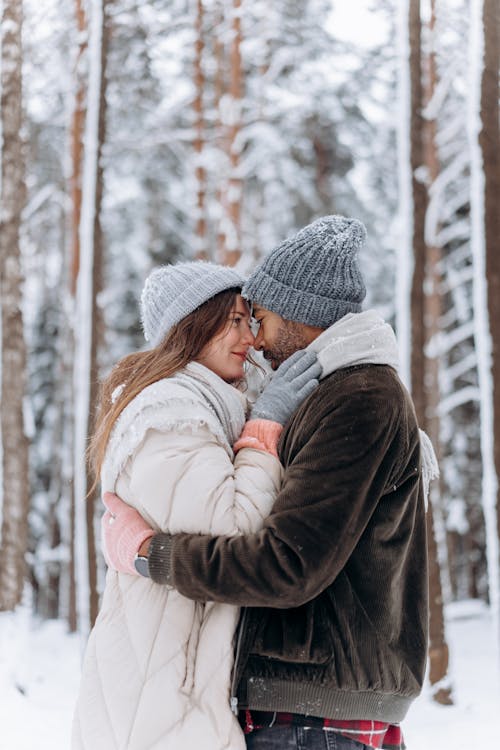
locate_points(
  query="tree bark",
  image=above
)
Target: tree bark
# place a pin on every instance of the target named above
(77, 128)
(89, 323)
(419, 199)
(220, 130)
(97, 321)
(438, 648)
(489, 141)
(421, 308)
(77, 154)
(234, 193)
(15, 482)
(199, 142)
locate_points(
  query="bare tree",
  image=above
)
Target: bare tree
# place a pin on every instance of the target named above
(424, 312)
(489, 141)
(220, 131)
(77, 127)
(15, 488)
(199, 141)
(76, 139)
(232, 195)
(438, 647)
(419, 200)
(89, 328)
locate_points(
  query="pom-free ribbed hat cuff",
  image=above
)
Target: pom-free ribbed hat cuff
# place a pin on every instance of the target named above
(179, 295)
(314, 276)
(295, 304)
(186, 304)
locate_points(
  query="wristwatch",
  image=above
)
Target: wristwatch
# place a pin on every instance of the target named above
(141, 564)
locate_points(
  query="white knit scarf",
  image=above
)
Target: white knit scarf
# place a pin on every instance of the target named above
(365, 338)
(228, 404)
(178, 402)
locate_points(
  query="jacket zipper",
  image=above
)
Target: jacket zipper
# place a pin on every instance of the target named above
(234, 681)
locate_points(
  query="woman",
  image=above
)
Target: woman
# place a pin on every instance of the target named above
(157, 669)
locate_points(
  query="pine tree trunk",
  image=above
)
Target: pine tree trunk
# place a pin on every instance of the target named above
(220, 130)
(89, 331)
(199, 142)
(97, 321)
(234, 193)
(15, 487)
(489, 141)
(77, 127)
(419, 200)
(77, 153)
(438, 650)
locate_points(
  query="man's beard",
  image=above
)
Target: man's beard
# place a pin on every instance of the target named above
(289, 339)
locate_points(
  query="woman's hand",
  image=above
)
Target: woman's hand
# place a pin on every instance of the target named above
(293, 381)
(123, 532)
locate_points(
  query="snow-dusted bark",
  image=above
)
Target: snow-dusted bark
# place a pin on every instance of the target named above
(15, 490)
(231, 109)
(425, 309)
(77, 126)
(86, 325)
(433, 303)
(448, 231)
(404, 262)
(201, 248)
(419, 207)
(482, 121)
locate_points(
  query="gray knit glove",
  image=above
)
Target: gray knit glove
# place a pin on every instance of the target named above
(292, 382)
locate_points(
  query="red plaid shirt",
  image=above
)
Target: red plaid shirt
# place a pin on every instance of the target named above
(376, 734)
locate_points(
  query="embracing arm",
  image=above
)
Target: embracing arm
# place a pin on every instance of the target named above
(331, 489)
(170, 465)
(184, 481)
(256, 472)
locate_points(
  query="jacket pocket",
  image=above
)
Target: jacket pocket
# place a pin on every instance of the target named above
(301, 635)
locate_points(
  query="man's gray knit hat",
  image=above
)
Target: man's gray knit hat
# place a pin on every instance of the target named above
(172, 292)
(312, 277)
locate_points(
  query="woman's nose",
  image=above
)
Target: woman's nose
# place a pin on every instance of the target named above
(248, 336)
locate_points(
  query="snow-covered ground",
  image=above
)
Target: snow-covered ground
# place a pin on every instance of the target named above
(39, 667)
(470, 724)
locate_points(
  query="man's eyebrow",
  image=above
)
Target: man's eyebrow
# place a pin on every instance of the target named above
(256, 310)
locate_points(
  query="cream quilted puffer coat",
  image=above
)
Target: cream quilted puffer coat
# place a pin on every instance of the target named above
(157, 669)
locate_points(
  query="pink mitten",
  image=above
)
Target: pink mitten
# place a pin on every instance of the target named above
(123, 531)
(261, 434)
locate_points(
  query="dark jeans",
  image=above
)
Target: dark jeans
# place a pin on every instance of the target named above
(298, 738)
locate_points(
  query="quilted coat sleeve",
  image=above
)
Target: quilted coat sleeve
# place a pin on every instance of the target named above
(186, 482)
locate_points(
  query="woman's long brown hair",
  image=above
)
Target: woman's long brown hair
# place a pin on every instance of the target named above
(133, 373)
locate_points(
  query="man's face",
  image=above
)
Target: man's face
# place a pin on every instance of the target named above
(278, 338)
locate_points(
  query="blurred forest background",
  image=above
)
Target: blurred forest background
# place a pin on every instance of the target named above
(142, 132)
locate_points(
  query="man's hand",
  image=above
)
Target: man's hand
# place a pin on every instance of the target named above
(293, 381)
(123, 533)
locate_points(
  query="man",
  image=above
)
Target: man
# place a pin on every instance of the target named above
(333, 635)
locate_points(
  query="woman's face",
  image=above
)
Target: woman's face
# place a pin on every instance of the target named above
(226, 353)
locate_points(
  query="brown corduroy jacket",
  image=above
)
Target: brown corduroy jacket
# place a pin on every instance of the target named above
(335, 585)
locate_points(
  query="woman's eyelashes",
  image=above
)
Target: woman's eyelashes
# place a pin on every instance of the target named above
(236, 321)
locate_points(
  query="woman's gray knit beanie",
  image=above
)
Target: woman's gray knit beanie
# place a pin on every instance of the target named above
(172, 292)
(312, 277)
